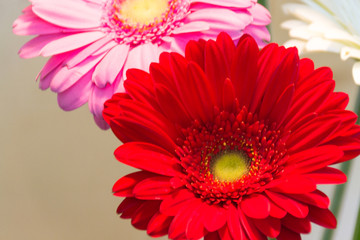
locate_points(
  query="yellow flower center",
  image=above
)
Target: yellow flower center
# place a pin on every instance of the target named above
(142, 11)
(230, 166)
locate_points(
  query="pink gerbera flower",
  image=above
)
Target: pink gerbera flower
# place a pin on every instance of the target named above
(231, 142)
(94, 42)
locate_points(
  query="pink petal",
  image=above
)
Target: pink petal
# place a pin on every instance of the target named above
(70, 42)
(220, 19)
(110, 66)
(65, 78)
(68, 14)
(33, 47)
(98, 98)
(141, 56)
(30, 24)
(77, 94)
(105, 44)
(261, 16)
(227, 3)
(193, 26)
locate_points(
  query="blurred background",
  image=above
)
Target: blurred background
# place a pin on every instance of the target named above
(57, 168)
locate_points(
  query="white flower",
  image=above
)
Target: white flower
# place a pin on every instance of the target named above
(326, 25)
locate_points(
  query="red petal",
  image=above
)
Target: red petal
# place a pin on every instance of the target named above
(318, 158)
(276, 211)
(215, 68)
(349, 145)
(144, 213)
(124, 186)
(228, 96)
(269, 226)
(284, 75)
(172, 204)
(227, 47)
(128, 207)
(194, 51)
(269, 58)
(293, 207)
(336, 100)
(244, 70)
(306, 66)
(316, 198)
(249, 227)
(159, 225)
(182, 218)
(256, 206)
(323, 217)
(171, 105)
(312, 159)
(215, 218)
(154, 188)
(308, 102)
(127, 130)
(327, 175)
(313, 133)
(224, 233)
(298, 225)
(212, 236)
(195, 227)
(281, 107)
(294, 184)
(233, 222)
(200, 89)
(148, 157)
(287, 234)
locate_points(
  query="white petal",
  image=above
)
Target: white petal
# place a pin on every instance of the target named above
(290, 24)
(349, 52)
(300, 45)
(320, 44)
(356, 72)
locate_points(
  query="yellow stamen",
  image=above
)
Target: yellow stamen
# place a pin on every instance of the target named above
(230, 166)
(142, 11)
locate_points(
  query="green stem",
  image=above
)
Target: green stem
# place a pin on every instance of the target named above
(357, 227)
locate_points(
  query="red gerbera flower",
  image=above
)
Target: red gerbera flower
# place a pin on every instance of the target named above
(231, 142)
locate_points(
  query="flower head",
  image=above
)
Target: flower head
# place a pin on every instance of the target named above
(231, 142)
(329, 25)
(93, 42)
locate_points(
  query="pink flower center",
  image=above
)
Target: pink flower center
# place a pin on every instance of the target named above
(141, 21)
(235, 155)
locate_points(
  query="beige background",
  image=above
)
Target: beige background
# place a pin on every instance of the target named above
(57, 168)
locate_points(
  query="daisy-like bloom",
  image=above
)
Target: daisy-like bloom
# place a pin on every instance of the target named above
(94, 42)
(326, 25)
(231, 142)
